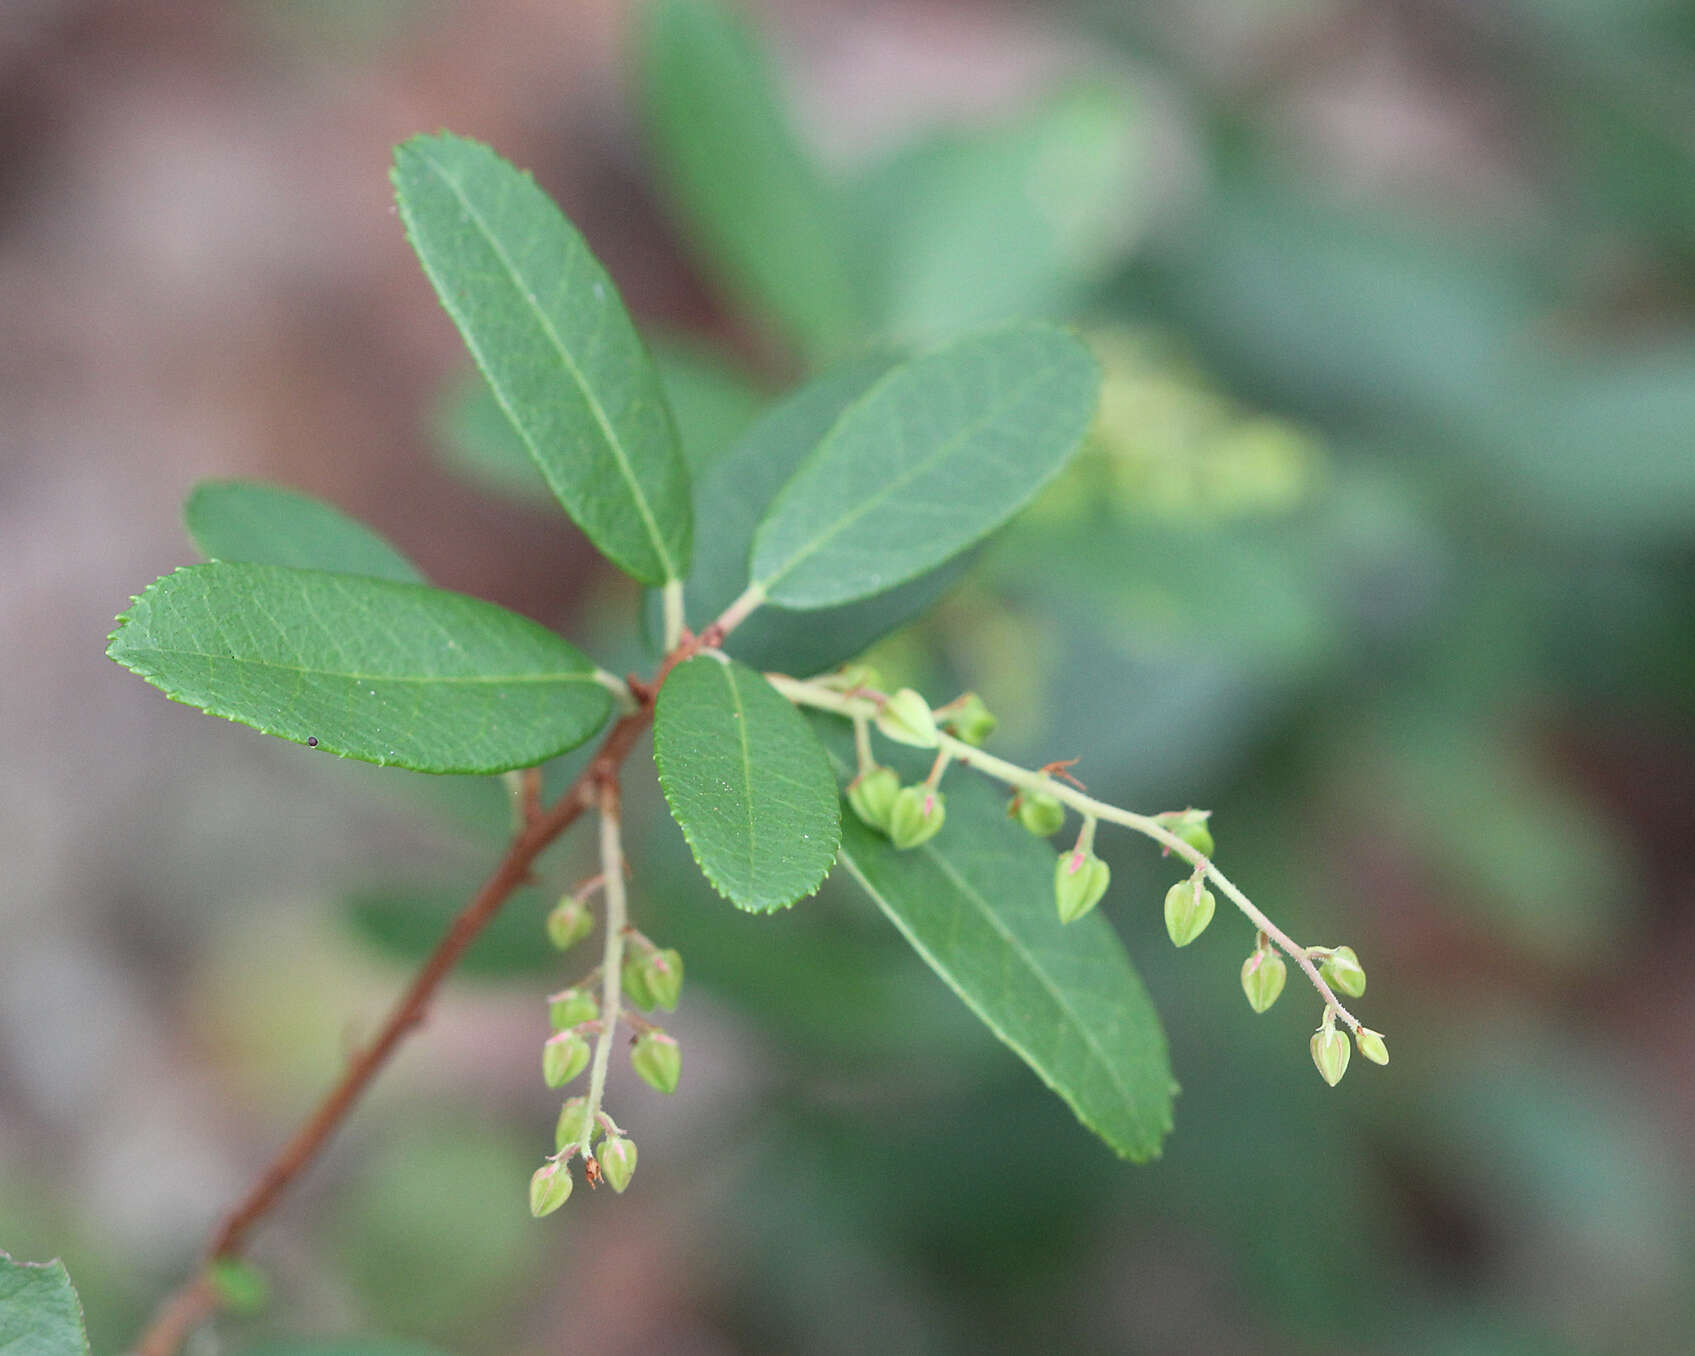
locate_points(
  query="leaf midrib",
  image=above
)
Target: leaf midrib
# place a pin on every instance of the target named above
(649, 522)
(904, 479)
(561, 676)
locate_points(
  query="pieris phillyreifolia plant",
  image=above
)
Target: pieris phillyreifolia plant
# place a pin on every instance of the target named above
(838, 512)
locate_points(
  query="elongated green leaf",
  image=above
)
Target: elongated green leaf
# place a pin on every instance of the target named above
(733, 495)
(547, 329)
(745, 187)
(930, 460)
(748, 783)
(268, 525)
(976, 902)
(40, 1314)
(388, 673)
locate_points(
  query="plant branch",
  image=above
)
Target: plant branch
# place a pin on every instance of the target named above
(858, 707)
(612, 966)
(196, 1298)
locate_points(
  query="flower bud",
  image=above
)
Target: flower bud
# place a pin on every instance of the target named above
(1188, 909)
(1330, 1050)
(564, 1057)
(634, 979)
(1343, 972)
(573, 1126)
(658, 1059)
(569, 923)
(1079, 881)
(550, 1188)
(569, 1007)
(1263, 976)
(970, 719)
(872, 795)
(850, 677)
(916, 816)
(1371, 1045)
(1191, 827)
(617, 1161)
(906, 718)
(664, 973)
(1040, 813)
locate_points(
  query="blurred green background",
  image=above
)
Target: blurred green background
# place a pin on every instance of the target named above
(1382, 549)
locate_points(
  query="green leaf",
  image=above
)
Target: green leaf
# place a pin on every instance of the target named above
(1014, 222)
(976, 902)
(748, 783)
(930, 460)
(745, 187)
(268, 525)
(388, 673)
(546, 327)
(733, 495)
(40, 1314)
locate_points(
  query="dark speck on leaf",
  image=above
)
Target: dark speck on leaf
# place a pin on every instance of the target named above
(312, 743)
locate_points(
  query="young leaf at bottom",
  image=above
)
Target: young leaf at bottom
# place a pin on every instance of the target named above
(40, 1314)
(976, 902)
(747, 782)
(930, 460)
(548, 330)
(388, 673)
(268, 525)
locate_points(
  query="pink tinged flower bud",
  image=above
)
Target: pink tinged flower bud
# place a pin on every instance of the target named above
(617, 1157)
(564, 1057)
(1188, 909)
(916, 816)
(634, 980)
(550, 1188)
(872, 796)
(1080, 879)
(1330, 1050)
(1263, 977)
(664, 973)
(658, 1060)
(970, 719)
(1191, 826)
(1040, 813)
(571, 1007)
(573, 1127)
(569, 923)
(1372, 1045)
(906, 718)
(1343, 972)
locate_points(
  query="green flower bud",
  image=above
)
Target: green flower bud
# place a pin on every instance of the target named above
(573, 1126)
(852, 676)
(617, 1158)
(1371, 1045)
(1263, 976)
(1343, 972)
(569, 1007)
(664, 974)
(563, 1057)
(1191, 827)
(906, 718)
(658, 1059)
(550, 1188)
(970, 719)
(1079, 881)
(916, 816)
(1330, 1050)
(1188, 909)
(872, 795)
(569, 923)
(1040, 813)
(634, 977)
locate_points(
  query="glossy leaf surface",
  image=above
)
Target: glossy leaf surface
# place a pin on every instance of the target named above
(550, 334)
(388, 673)
(40, 1314)
(747, 781)
(932, 458)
